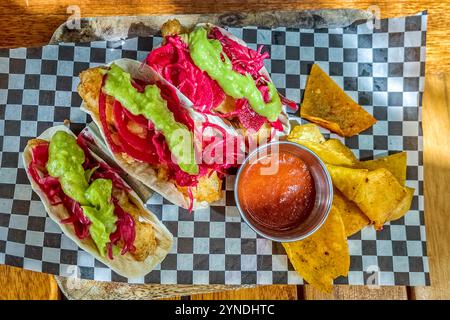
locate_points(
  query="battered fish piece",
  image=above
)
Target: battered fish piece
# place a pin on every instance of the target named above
(145, 242)
(228, 105)
(172, 27)
(209, 188)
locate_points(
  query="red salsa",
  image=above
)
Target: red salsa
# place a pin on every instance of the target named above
(281, 200)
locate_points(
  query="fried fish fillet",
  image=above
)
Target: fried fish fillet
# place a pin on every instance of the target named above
(145, 241)
(172, 27)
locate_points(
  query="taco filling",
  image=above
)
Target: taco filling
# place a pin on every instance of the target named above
(98, 203)
(145, 123)
(219, 75)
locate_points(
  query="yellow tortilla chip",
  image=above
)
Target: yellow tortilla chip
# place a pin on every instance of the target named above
(379, 195)
(323, 256)
(337, 146)
(395, 163)
(354, 219)
(328, 105)
(309, 132)
(347, 180)
(326, 155)
(404, 205)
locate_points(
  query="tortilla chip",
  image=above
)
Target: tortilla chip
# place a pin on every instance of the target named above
(354, 219)
(404, 205)
(379, 195)
(309, 132)
(328, 105)
(347, 180)
(323, 256)
(326, 155)
(395, 163)
(338, 146)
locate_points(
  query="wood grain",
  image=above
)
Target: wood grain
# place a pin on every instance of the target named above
(436, 129)
(34, 24)
(274, 292)
(17, 283)
(357, 293)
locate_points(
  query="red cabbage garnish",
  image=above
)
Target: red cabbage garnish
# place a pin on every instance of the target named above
(101, 169)
(277, 125)
(191, 199)
(173, 104)
(102, 115)
(248, 61)
(291, 104)
(173, 62)
(51, 187)
(80, 222)
(130, 139)
(244, 59)
(125, 233)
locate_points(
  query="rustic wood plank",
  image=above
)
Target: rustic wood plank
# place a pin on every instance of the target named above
(80, 289)
(276, 292)
(357, 293)
(436, 127)
(172, 298)
(34, 24)
(20, 284)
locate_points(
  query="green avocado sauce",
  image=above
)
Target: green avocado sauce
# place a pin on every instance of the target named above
(65, 162)
(207, 55)
(152, 106)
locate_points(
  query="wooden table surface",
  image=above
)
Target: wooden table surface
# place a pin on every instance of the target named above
(32, 22)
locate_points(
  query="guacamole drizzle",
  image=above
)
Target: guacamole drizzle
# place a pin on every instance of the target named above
(65, 162)
(207, 54)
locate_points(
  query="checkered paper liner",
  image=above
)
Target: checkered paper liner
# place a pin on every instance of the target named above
(382, 69)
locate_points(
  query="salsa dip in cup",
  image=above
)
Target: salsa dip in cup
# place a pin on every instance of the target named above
(283, 191)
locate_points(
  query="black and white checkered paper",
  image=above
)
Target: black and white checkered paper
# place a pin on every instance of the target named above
(382, 69)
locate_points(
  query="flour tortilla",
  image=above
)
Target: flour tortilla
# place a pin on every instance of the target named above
(143, 172)
(124, 265)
